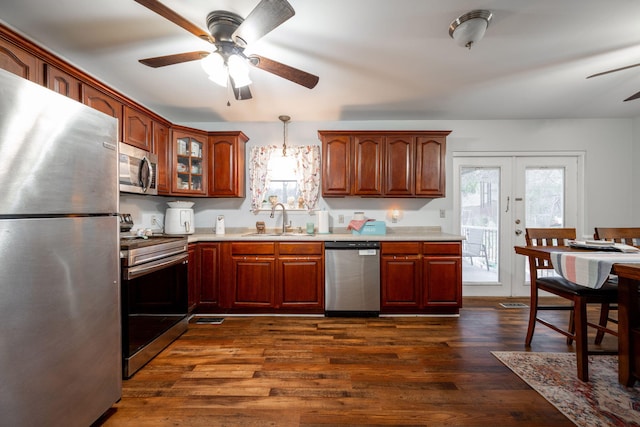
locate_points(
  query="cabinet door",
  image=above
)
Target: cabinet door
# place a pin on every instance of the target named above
(162, 148)
(367, 154)
(63, 83)
(400, 280)
(253, 281)
(336, 170)
(442, 281)
(18, 61)
(193, 294)
(137, 129)
(209, 278)
(189, 167)
(226, 160)
(430, 157)
(301, 280)
(103, 102)
(399, 164)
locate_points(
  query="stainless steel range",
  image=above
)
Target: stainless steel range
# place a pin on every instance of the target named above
(153, 295)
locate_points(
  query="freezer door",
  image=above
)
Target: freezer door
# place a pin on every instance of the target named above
(58, 155)
(60, 346)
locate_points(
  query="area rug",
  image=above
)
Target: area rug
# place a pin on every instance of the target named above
(600, 402)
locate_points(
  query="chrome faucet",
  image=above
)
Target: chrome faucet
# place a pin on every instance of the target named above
(284, 213)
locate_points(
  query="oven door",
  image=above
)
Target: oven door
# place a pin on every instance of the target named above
(154, 309)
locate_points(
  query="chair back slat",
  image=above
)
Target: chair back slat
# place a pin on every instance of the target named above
(547, 237)
(624, 235)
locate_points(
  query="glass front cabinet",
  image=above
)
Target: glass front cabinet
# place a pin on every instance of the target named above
(189, 163)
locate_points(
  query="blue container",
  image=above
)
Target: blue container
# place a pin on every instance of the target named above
(371, 228)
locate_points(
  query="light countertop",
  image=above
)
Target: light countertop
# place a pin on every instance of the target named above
(425, 234)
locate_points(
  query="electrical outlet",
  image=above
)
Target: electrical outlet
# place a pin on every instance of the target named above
(154, 220)
(340, 219)
(442, 213)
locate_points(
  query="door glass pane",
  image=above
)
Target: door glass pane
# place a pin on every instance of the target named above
(544, 202)
(544, 197)
(479, 220)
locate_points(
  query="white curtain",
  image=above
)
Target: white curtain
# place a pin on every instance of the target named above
(259, 174)
(307, 172)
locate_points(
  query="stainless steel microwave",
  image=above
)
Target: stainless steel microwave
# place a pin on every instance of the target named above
(137, 170)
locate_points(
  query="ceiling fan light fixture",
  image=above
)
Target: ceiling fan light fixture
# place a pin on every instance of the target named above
(238, 70)
(213, 64)
(469, 28)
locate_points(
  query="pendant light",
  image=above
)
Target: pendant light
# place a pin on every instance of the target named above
(285, 121)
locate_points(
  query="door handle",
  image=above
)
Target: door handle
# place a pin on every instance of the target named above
(518, 232)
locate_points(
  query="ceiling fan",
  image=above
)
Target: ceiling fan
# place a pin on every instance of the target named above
(632, 97)
(231, 34)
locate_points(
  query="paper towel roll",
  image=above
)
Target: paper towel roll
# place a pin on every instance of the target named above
(323, 222)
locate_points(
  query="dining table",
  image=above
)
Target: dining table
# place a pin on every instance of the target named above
(627, 269)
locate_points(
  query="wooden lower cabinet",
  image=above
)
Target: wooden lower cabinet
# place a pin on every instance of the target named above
(300, 277)
(270, 277)
(204, 277)
(193, 276)
(421, 277)
(209, 276)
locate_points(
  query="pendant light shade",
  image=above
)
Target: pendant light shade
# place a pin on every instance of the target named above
(469, 28)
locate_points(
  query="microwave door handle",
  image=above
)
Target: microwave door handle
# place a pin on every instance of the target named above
(146, 174)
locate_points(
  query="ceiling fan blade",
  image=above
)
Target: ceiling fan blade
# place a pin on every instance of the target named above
(634, 96)
(613, 71)
(286, 72)
(266, 16)
(161, 61)
(164, 11)
(240, 93)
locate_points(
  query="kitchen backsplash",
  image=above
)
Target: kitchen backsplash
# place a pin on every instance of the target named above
(148, 212)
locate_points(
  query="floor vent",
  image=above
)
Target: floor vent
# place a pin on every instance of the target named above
(209, 320)
(513, 305)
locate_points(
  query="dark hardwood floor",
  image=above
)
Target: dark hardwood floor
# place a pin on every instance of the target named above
(315, 371)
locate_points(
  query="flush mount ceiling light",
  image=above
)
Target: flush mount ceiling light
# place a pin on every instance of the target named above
(469, 28)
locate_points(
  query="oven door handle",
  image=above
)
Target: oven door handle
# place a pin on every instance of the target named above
(150, 267)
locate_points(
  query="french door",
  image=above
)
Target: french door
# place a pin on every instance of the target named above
(496, 197)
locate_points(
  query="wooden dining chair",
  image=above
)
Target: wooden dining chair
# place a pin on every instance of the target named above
(578, 296)
(625, 235)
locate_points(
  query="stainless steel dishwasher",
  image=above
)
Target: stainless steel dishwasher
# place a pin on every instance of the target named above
(352, 278)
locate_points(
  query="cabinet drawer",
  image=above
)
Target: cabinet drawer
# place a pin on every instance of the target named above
(400, 248)
(449, 248)
(267, 248)
(300, 248)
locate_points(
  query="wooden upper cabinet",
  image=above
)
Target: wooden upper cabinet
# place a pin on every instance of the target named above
(383, 163)
(399, 161)
(103, 102)
(62, 82)
(336, 164)
(430, 166)
(18, 61)
(188, 164)
(226, 162)
(162, 148)
(367, 156)
(137, 129)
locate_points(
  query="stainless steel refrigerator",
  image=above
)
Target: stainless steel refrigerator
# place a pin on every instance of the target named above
(60, 349)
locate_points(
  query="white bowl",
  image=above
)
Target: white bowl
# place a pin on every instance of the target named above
(179, 204)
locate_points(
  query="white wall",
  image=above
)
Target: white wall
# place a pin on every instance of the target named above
(612, 148)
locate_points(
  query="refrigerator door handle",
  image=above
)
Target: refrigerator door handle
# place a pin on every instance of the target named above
(146, 174)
